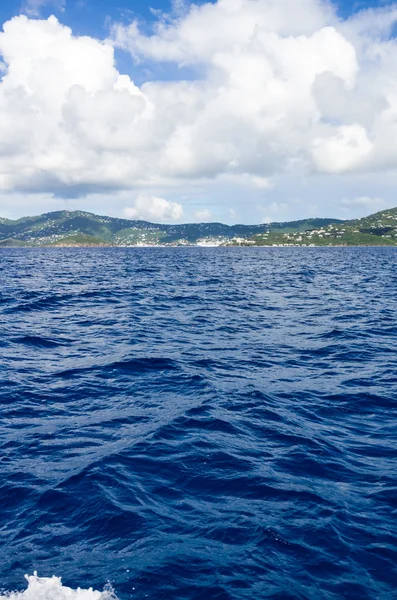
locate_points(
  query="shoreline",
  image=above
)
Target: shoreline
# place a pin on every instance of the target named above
(108, 246)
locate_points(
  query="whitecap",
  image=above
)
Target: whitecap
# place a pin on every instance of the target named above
(51, 588)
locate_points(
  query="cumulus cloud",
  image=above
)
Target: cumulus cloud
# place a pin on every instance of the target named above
(152, 208)
(288, 85)
(344, 149)
(275, 88)
(69, 116)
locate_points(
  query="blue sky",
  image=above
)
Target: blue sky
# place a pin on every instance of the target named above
(236, 110)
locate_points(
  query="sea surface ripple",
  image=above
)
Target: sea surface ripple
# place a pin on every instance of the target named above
(200, 424)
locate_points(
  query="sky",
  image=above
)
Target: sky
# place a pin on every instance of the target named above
(240, 111)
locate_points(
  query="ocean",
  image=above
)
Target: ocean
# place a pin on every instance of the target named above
(198, 423)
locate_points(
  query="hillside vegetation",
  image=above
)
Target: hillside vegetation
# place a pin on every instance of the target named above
(78, 228)
(379, 229)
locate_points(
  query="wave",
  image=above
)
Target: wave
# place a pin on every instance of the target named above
(51, 588)
(221, 428)
(36, 341)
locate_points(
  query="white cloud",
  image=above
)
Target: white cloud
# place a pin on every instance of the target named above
(203, 215)
(152, 208)
(279, 90)
(344, 149)
(69, 116)
(288, 85)
(211, 30)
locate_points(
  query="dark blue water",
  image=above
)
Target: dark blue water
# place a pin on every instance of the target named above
(200, 423)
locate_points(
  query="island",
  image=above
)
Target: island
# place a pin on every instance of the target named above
(83, 229)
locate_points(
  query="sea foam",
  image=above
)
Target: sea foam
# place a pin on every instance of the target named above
(51, 588)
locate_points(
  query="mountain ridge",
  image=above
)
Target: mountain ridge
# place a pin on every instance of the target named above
(53, 227)
(82, 228)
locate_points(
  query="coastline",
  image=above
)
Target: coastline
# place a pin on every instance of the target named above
(140, 247)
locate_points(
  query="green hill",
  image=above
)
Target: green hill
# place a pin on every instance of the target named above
(80, 239)
(11, 243)
(83, 228)
(379, 229)
(79, 228)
